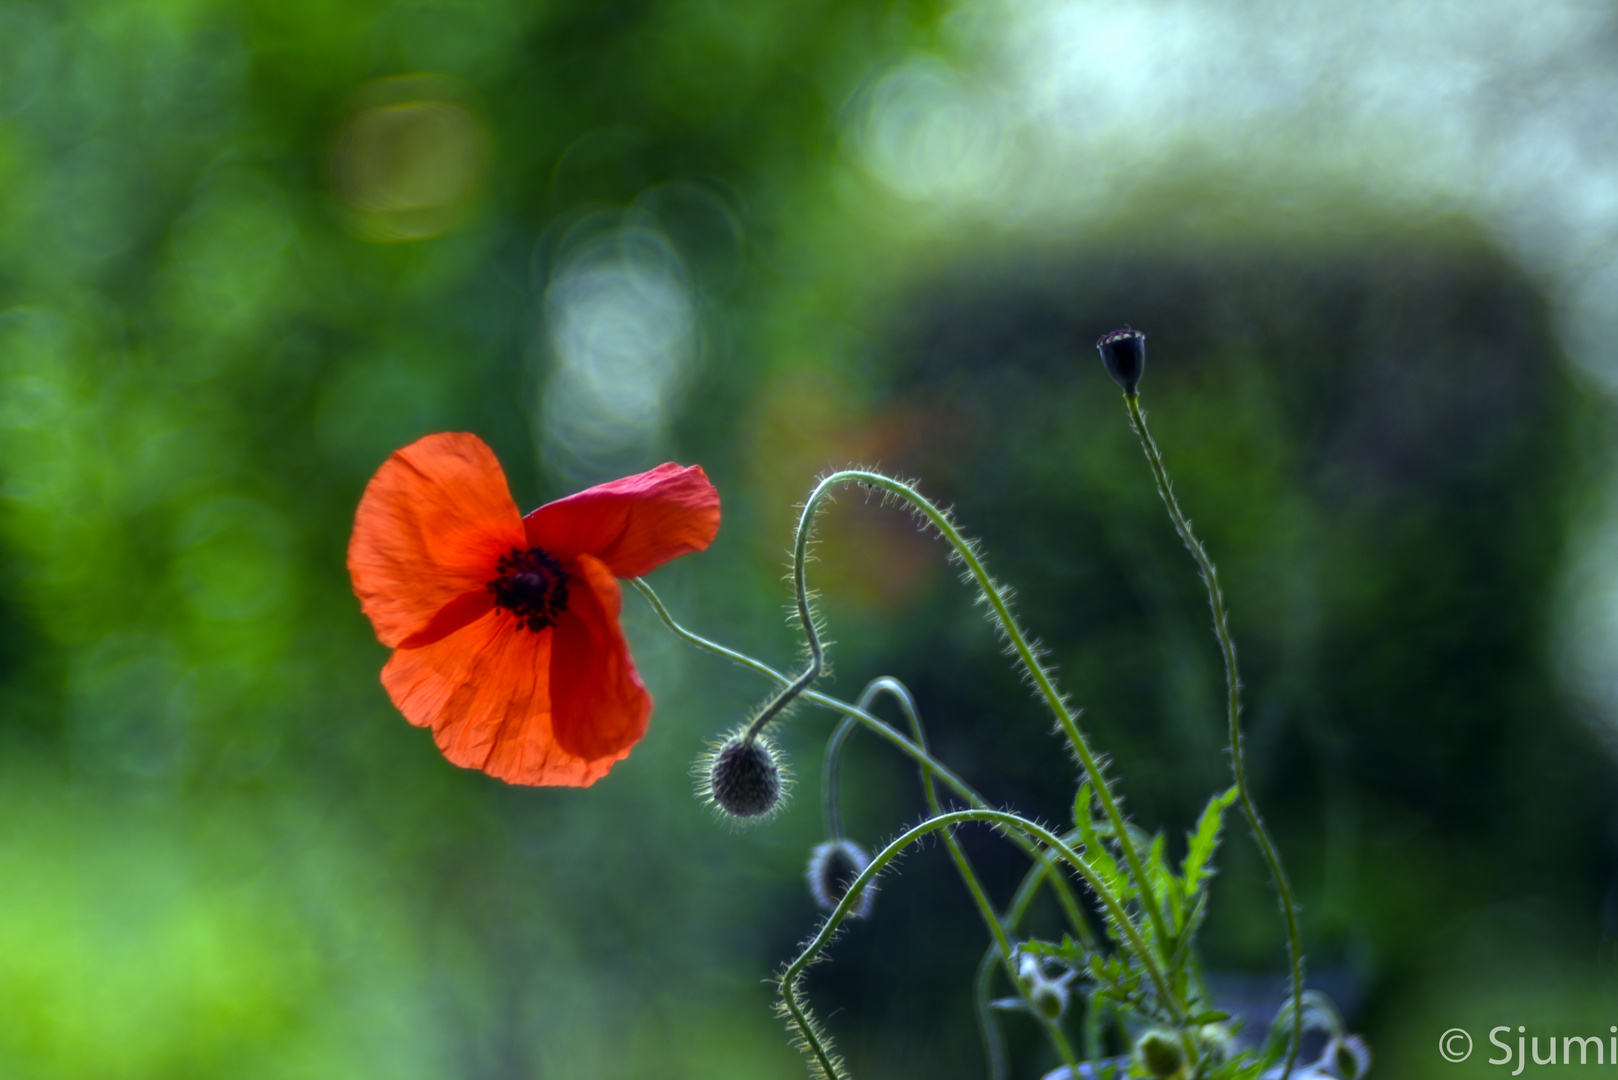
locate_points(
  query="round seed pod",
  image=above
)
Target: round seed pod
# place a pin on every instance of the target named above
(1123, 353)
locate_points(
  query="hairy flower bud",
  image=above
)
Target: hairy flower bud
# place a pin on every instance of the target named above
(745, 779)
(833, 866)
(1161, 1054)
(1123, 352)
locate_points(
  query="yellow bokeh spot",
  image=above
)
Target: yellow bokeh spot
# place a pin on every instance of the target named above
(409, 160)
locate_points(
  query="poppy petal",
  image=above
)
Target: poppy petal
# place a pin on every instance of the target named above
(484, 690)
(433, 522)
(600, 704)
(632, 525)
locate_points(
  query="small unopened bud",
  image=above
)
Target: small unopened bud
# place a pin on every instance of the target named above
(1048, 996)
(745, 778)
(1160, 1052)
(1049, 999)
(833, 866)
(1123, 352)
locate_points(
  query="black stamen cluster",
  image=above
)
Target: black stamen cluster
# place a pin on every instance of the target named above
(532, 586)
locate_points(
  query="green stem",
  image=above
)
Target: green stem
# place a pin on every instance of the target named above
(994, 1043)
(1233, 691)
(940, 771)
(790, 993)
(982, 986)
(806, 617)
(996, 600)
(1014, 913)
(828, 777)
(996, 927)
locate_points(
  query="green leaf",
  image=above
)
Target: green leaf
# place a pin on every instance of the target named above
(1164, 884)
(1068, 952)
(1240, 1068)
(1095, 852)
(1209, 1017)
(1197, 867)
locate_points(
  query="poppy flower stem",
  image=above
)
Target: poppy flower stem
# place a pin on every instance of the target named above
(937, 769)
(996, 597)
(806, 617)
(1233, 701)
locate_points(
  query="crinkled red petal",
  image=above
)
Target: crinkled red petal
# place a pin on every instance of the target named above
(632, 525)
(600, 706)
(485, 691)
(433, 522)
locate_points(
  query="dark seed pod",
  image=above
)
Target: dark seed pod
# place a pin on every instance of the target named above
(1161, 1053)
(833, 866)
(1124, 354)
(745, 779)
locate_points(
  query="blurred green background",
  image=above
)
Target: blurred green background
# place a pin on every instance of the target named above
(248, 249)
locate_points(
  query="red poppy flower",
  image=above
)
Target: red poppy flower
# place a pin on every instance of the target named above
(505, 628)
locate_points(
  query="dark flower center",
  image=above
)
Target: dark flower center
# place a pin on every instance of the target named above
(532, 586)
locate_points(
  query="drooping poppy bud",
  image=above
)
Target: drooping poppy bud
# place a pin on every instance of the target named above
(1124, 354)
(745, 778)
(833, 866)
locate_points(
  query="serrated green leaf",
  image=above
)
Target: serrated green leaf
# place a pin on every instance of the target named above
(1241, 1068)
(1197, 867)
(1094, 851)
(1182, 942)
(1164, 884)
(1068, 952)
(1209, 1017)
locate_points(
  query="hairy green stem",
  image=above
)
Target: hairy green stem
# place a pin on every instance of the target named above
(1018, 907)
(795, 1009)
(800, 591)
(1059, 883)
(982, 985)
(996, 926)
(996, 600)
(829, 774)
(1233, 691)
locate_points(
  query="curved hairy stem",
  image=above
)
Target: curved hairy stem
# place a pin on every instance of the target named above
(997, 928)
(1233, 701)
(806, 617)
(1020, 901)
(995, 597)
(797, 1012)
(936, 768)
(829, 773)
